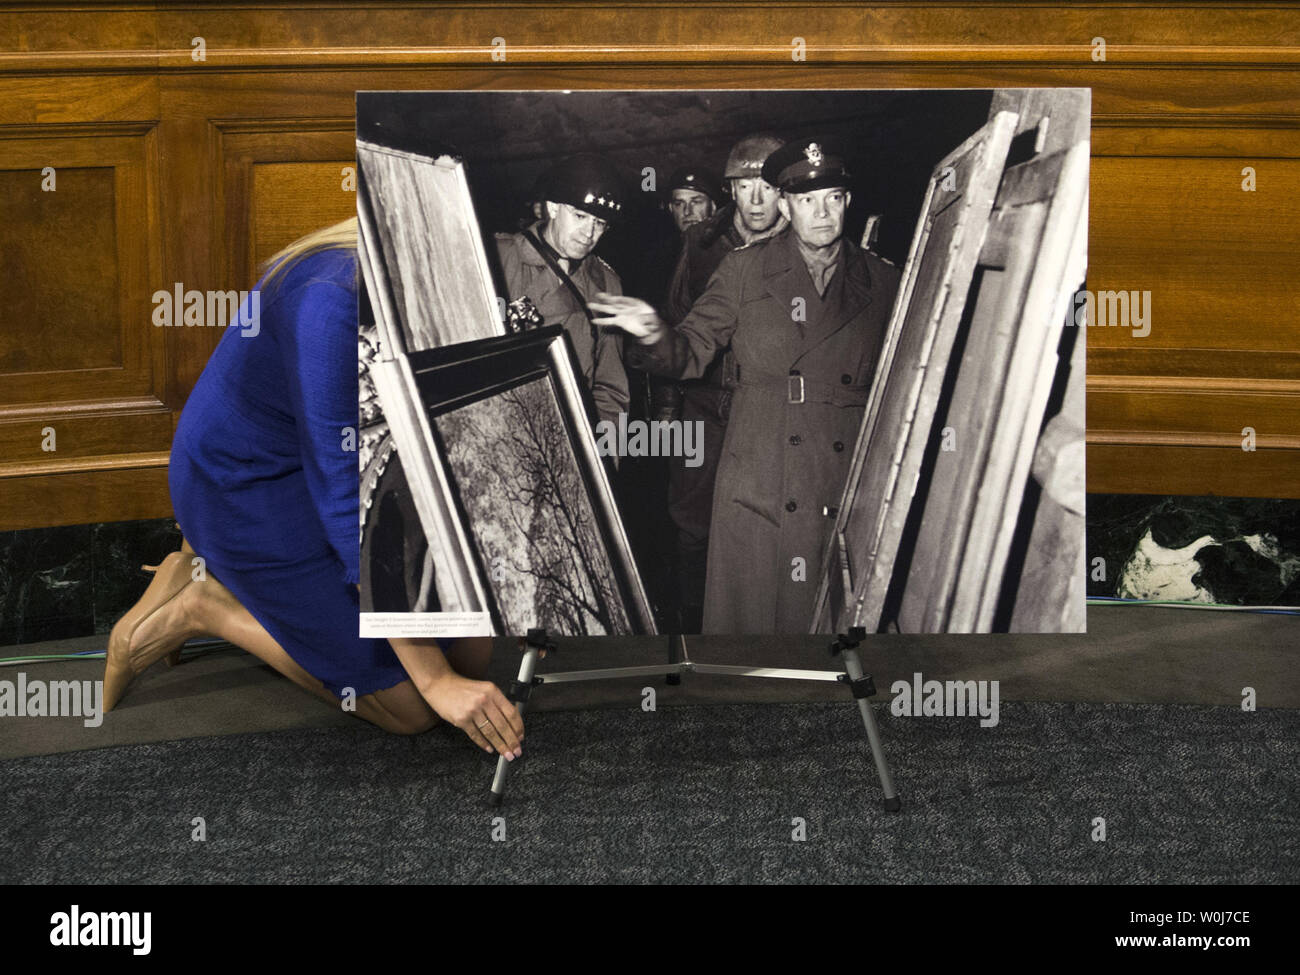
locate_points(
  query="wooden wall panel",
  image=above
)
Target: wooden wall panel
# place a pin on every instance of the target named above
(63, 312)
(85, 254)
(1170, 216)
(292, 198)
(82, 369)
(281, 179)
(1219, 263)
(216, 162)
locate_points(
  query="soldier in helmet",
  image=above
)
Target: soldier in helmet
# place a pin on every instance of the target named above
(805, 314)
(551, 263)
(751, 215)
(693, 195)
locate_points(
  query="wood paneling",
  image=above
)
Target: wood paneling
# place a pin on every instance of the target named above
(117, 487)
(214, 163)
(293, 198)
(281, 180)
(81, 366)
(89, 431)
(1170, 217)
(62, 313)
(86, 261)
(1223, 472)
(1194, 412)
(1220, 264)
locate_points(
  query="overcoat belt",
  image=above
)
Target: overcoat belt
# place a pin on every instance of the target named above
(806, 364)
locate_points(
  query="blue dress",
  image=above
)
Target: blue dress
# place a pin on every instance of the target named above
(263, 483)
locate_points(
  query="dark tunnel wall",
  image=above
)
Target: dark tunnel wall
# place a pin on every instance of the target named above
(891, 139)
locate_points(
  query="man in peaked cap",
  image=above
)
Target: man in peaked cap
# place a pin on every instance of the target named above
(584, 194)
(805, 314)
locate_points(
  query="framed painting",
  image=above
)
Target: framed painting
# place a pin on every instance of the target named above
(909, 378)
(520, 516)
(420, 238)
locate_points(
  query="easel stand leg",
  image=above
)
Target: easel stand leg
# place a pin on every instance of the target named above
(520, 690)
(676, 644)
(863, 688)
(533, 645)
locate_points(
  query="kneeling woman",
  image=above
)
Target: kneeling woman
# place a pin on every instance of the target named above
(266, 495)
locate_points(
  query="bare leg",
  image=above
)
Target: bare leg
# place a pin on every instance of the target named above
(407, 708)
(470, 656)
(207, 608)
(400, 709)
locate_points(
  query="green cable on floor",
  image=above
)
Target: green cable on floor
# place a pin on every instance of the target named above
(200, 647)
(1181, 604)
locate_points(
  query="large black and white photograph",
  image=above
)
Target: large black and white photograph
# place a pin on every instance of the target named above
(722, 362)
(658, 442)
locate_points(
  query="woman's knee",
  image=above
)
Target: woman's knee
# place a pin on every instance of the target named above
(397, 724)
(397, 713)
(414, 724)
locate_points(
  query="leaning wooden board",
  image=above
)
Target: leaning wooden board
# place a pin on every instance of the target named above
(897, 424)
(1031, 263)
(419, 216)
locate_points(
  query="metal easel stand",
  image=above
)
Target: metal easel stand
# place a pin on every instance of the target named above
(845, 646)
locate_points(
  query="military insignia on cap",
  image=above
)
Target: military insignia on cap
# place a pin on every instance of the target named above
(605, 201)
(814, 153)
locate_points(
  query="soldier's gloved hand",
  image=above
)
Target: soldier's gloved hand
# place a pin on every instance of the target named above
(632, 315)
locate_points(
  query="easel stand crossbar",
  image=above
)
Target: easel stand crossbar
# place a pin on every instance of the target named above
(845, 647)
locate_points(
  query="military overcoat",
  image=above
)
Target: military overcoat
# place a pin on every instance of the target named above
(806, 363)
(528, 274)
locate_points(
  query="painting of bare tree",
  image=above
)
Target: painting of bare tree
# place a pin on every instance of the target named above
(513, 467)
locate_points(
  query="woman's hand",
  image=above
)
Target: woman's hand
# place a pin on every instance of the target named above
(478, 708)
(631, 315)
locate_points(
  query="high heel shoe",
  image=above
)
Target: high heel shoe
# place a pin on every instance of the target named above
(122, 663)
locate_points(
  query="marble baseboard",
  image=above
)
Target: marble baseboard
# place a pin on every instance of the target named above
(75, 581)
(57, 583)
(1236, 551)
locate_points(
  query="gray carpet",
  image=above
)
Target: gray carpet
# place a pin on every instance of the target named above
(1189, 794)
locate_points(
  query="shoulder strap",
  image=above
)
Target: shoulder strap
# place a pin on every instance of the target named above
(552, 261)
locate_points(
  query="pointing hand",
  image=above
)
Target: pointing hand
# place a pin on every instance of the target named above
(631, 315)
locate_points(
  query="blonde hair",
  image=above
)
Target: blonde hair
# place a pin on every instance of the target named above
(342, 236)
